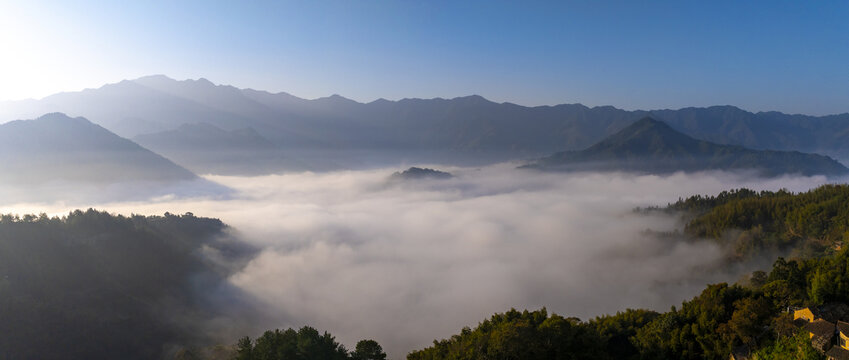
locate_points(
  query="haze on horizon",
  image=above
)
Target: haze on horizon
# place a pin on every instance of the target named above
(759, 56)
(301, 219)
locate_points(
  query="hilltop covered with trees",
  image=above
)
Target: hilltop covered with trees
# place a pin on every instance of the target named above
(807, 224)
(709, 326)
(91, 285)
(811, 226)
(304, 344)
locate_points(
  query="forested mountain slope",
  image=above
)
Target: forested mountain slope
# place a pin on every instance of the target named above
(91, 285)
(809, 224)
(752, 314)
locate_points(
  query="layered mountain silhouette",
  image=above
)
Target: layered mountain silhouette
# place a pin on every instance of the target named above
(56, 147)
(206, 149)
(652, 146)
(443, 130)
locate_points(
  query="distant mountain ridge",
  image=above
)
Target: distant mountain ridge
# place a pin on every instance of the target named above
(652, 146)
(470, 125)
(56, 147)
(207, 149)
(417, 173)
(198, 135)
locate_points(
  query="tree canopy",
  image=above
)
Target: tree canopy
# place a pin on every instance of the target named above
(304, 344)
(91, 285)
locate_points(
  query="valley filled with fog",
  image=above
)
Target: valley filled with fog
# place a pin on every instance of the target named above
(424, 180)
(405, 262)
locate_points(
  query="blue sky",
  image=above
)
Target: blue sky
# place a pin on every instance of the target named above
(758, 55)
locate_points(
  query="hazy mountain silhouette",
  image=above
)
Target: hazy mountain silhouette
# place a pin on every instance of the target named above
(651, 146)
(56, 147)
(417, 173)
(451, 129)
(204, 148)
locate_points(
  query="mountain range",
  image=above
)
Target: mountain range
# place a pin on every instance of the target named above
(469, 124)
(55, 147)
(206, 149)
(162, 113)
(652, 146)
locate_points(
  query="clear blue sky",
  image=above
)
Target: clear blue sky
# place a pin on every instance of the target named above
(759, 55)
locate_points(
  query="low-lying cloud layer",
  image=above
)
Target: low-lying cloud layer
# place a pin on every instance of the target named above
(349, 253)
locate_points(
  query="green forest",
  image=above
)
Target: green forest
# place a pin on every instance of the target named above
(811, 227)
(304, 344)
(95, 285)
(746, 222)
(90, 285)
(708, 326)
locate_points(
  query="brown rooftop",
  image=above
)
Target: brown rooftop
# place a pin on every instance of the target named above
(838, 353)
(820, 327)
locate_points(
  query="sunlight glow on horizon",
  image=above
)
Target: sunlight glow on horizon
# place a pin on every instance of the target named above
(760, 57)
(41, 62)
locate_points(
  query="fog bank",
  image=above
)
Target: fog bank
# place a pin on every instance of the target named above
(349, 253)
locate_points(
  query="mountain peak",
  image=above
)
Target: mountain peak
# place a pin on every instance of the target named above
(155, 77)
(380, 101)
(58, 147)
(58, 118)
(645, 136)
(335, 99)
(204, 81)
(162, 82)
(55, 116)
(652, 146)
(472, 99)
(417, 173)
(648, 123)
(648, 120)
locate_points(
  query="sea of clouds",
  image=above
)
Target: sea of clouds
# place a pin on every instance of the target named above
(405, 263)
